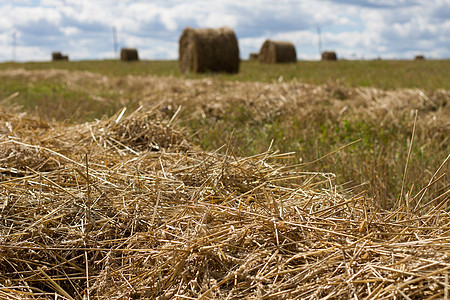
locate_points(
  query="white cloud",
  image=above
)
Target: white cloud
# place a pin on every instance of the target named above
(70, 30)
(27, 2)
(169, 21)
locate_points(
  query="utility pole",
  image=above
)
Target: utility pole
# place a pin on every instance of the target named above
(319, 37)
(115, 43)
(14, 46)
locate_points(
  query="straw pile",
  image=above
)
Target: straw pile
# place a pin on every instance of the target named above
(208, 50)
(129, 54)
(419, 57)
(127, 208)
(277, 52)
(329, 55)
(59, 56)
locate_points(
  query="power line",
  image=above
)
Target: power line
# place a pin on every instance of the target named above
(319, 37)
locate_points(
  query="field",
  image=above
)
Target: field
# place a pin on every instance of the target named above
(332, 174)
(362, 100)
(383, 74)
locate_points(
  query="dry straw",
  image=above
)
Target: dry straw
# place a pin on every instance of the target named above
(126, 207)
(277, 52)
(208, 50)
(329, 55)
(129, 54)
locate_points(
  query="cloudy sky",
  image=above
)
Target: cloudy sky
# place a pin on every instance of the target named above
(399, 29)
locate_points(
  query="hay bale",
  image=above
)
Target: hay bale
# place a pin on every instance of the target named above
(59, 56)
(129, 54)
(253, 56)
(207, 49)
(419, 57)
(329, 55)
(277, 52)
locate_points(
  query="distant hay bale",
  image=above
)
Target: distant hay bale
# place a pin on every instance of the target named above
(254, 56)
(208, 50)
(329, 55)
(59, 56)
(277, 52)
(129, 54)
(419, 57)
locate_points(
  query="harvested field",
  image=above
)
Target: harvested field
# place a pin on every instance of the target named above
(134, 205)
(311, 120)
(127, 207)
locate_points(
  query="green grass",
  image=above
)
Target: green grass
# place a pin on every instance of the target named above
(378, 160)
(384, 74)
(54, 99)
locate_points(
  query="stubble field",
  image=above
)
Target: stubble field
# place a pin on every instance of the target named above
(289, 181)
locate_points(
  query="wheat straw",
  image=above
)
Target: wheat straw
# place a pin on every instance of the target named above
(130, 209)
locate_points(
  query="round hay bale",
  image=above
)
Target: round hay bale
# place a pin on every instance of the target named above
(59, 56)
(277, 52)
(208, 50)
(419, 57)
(253, 56)
(329, 55)
(129, 54)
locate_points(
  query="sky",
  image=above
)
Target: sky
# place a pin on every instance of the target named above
(355, 29)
